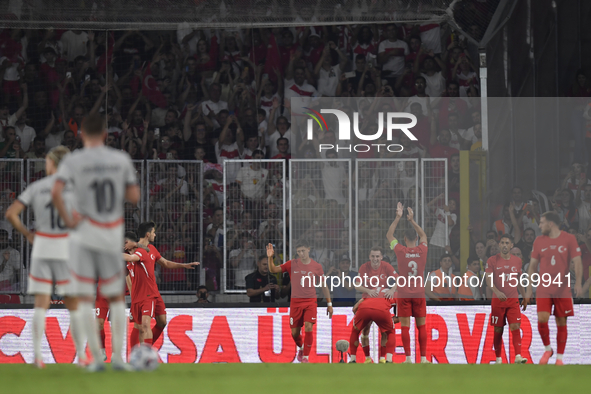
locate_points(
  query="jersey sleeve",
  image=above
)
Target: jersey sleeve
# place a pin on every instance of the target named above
(286, 267)
(490, 265)
(535, 251)
(26, 197)
(157, 255)
(390, 270)
(319, 270)
(64, 172)
(362, 270)
(574, 249)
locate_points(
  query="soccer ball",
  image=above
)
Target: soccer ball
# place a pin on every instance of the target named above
(144, 357)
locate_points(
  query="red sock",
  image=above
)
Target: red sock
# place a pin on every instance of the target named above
(366, 350)
(308, 341)
(148, 341)
(298, 340)
(561, 339)
(498, 342)
(134, 338)
(353, 342)
(423, 340)
(544, 333)
(516, 337)
(102, 332)
(391, 344)
(406, 340)
(382, 351)
(156, 331)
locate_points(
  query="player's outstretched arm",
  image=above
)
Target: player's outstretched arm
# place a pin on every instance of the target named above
(326, 294)
(420, 232)
(128, 281)
(131, 258)
(171, 265)
(12, 215)
(274, 269)
(132, 194)
(392, 229)
(59, 204)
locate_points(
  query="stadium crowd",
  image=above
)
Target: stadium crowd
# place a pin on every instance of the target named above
(218, 95)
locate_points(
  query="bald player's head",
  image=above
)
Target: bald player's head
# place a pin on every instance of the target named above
(517, 252)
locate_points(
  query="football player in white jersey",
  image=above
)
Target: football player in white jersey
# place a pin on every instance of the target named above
(102, 179)
(49, 257)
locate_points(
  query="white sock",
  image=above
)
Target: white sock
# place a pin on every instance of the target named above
(38, 330)
(408, 358)
(499, 360)
(77, 333)
(559, 356)
(518, 356)
(90, 327)
(353, 357)
(118, 329)
(305, 357)
(382, 358)
(389, 357)
(548, 348)
(423, 358)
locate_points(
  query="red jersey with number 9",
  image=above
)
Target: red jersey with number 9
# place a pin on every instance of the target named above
(555, 255)
(411, 263)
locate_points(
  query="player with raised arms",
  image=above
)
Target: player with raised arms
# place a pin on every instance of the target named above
(303, 305)
(102, 179)
(553, 251)
(503, 272)
(49, 257)
(146, 301)
(411, 294)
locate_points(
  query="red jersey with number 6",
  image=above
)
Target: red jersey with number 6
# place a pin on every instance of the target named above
(411, 264)
(555, 255)
(506, 275)
(143, 281)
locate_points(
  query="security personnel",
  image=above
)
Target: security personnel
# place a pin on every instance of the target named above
(442, 289)
(260, 285)
(469, 290)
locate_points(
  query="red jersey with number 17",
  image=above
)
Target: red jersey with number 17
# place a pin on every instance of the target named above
(303, 293)
(555, 255)
(411, 264)
(505, 275)
(143, 280)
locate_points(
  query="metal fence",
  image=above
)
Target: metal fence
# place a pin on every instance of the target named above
(253, 216)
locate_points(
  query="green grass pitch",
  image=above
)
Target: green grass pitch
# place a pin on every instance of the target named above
(296, 378)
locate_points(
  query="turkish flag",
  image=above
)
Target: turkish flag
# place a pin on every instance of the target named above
(150, 89)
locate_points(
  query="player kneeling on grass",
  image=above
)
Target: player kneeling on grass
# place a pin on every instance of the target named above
(303, 273)
(146, 301)
(503, 272)
(375, 310)
(411, 292)
(49, 257)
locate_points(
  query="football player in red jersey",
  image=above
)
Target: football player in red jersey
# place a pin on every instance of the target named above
(503, 274)
(411, 294)
(146, 302)
(303, 305)
(375, 271)
(373, 310)
(554, 250)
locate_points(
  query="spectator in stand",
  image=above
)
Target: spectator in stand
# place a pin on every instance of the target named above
(283, 148)
(433, 70)
(216, 228)
(446, 291)
(226, 148)
(37, 152)
(202, 295)
(295, 82)
(439, 239)
(212, 263)
(260, 285)
(10, 265)
(463, 73)
(508, 223)
(451, 102)
(440, 145)
(320, 253)
(575, 178)
(480, 252)
(525, 243)
(460, 139)
(391, 54)
(584, 206)
(214, 105)
(328, 69)
(74, 43)
(242, 261)
(566, 208)
(253, 178)
(280, 129)
(346, 291)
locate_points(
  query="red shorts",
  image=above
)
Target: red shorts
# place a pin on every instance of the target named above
(300, 314)
(382, 318)
(507, 311)
(101, 306)
(146, 307)
(563, 307)
(415, 307)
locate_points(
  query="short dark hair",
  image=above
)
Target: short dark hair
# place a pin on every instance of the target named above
(552, 216)
(472, 259)
(93, 125)
(217, 209)
(202, 287)
(507, 236)
(131, 235)
(281, 139)
(303, 244)
(261, 257)
(260, 152)
(444, 256)
(410, 234)
(145, 228)
(376, 249)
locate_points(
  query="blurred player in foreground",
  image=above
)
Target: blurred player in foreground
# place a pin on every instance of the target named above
(411, 265)
(303, 305)
(554, 250)
(102, 180)
(146, 301)
(374, 310)
(49, 257)
(503, 272)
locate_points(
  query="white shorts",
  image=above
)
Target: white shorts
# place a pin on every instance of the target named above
(47, 272)
(89, 266)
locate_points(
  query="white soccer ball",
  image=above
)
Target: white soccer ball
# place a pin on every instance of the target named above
(144, 357)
